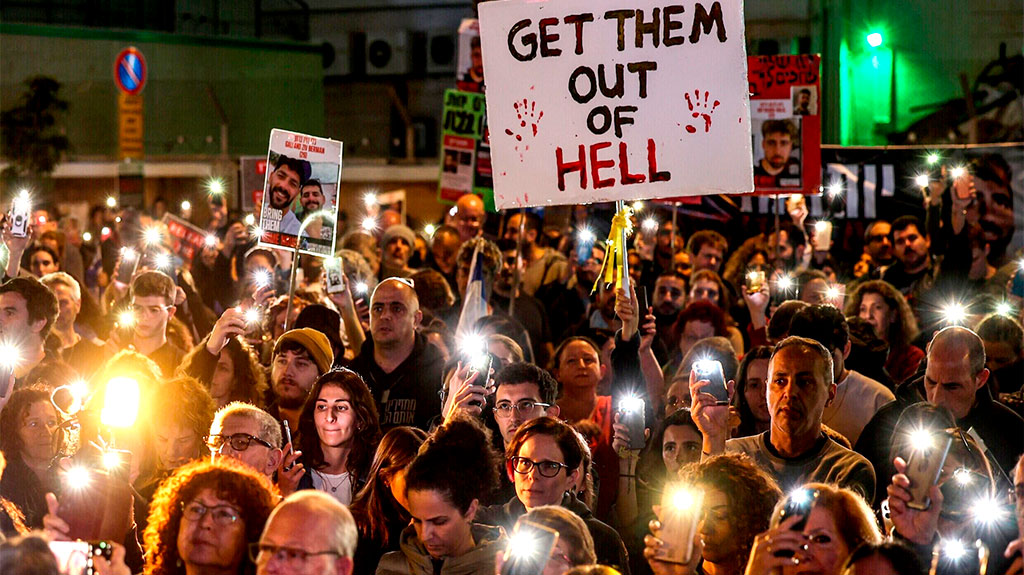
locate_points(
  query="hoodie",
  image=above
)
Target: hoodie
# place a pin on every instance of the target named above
(412, 557)
(409, 394)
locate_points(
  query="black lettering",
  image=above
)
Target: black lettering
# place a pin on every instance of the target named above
(621, 16)
(546, 38)
(647, 27)
(618, 89)
(641, 69)
(591, 91)
(578, 20)
(603, 112)
(702, 19)
(529, 41)
(670, 25)
(621, 119)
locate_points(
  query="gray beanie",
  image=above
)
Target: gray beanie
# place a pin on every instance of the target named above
(398, 231)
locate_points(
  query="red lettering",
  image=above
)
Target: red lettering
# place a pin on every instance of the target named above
(565, 168)
(596, 165)
(652, 164)
(627, 178)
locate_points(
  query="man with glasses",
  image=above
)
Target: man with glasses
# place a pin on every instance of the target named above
(877, 250)
(543, 459)
(248, 434)
(308, 533)
(401, 368)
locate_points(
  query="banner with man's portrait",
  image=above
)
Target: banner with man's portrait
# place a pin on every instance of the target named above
(300, 193)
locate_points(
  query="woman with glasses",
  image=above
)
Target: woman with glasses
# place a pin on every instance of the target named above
(444, 484)
(338, 433)
(543, 460)
(29, 439)
(203, 518)
(379, 508)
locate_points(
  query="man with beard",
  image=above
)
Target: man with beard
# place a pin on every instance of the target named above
(398, 241)
(288, 177)
(794, 450)
(991, 177)
(529, 310)
(543, 265)
(914, 270)
(567, 305)
(398, 364)
(777, 169)
(300, 357)
(877, 249)
(444, 246)
(312, 199)
(669, 299)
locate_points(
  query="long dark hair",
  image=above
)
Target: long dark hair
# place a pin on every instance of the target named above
(364, 441)
(748, 423)
(249, 383)
(370, 506)
(457, 461)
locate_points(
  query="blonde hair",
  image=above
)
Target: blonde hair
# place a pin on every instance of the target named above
(851, 514)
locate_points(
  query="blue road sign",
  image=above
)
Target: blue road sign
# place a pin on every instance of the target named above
(130, 71)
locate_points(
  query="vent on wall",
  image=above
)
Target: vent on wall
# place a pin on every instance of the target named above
(387, 53)
(442, 51)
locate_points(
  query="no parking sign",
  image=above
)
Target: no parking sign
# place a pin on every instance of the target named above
(130, 71)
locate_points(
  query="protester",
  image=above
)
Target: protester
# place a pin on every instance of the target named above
(308, 532)
(85, 352)
(27, 314)
(543, 265)
(300, 357)
(750, 398)
(232, 372)
(444, 485)
(30, 437)
(204, 517)
(890, 315)
(469, 216)
(575, 546)
(250, 435)
(1004, 352)
(144, 323)
(886, 558)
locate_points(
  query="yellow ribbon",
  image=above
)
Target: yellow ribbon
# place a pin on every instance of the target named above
(613, 266)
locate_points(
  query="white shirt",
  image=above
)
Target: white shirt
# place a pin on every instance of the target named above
(857, 399)
(337, 486)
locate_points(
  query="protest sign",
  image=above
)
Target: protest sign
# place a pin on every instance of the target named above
(598, 100)
(470, 67)
(185, 239)
(465, 153)
(303, 173)
(785, 116)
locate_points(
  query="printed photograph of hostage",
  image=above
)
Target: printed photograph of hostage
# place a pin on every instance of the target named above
(778, 164)
(301, 192)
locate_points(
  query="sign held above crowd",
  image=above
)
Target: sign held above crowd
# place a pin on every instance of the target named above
(592, 101)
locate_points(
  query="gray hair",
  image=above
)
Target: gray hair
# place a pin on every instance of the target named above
(341, 529)
(270, 430)
(965, 338)
(61, 278)
(812, 345)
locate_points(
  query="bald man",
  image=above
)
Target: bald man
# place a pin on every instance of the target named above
(470, 216)
(314, 523)
(955, 378)
(402, 369)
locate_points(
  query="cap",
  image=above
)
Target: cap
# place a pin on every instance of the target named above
(398, 231)
(316, 343)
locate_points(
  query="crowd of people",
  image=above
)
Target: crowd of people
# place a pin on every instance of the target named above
(230, 414)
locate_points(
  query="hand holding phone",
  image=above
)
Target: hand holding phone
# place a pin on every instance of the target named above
(710, 370)
(924, 466)
(800, 503)
(681, 509)
(631, 414)
(529, 549)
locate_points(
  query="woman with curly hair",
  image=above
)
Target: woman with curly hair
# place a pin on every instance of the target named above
(738, 501)
(30, 438)
(451, 474)
(379, 507)
(204, 516)
(885, 308)
(338, 434)
(227, 366)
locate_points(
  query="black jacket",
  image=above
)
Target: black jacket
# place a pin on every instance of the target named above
(409, 394)
(1000, 428)
(607, 543)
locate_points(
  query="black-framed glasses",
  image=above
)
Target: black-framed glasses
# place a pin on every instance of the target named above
(524, 466)
(293, 558)
(524, 406)
(237, 441)
(222, 515)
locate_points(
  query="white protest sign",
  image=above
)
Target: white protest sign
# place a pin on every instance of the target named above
(599, 100)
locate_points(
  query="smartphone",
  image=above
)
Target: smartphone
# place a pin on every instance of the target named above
(529, 549)
(959, 557)
(711, 370)
(644, 305)
(923, 469)
(799, 503)
(482, 364)
(6, 381)
(631, 414)
(21, 216)
(288, 441)
(680, 515)
(755, 280)
(129, 263)
(333, 281)
(76, 557)
(98, 508)
(1017, 287)
(822, 235)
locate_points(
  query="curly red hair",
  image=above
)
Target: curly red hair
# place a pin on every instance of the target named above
(253, 494)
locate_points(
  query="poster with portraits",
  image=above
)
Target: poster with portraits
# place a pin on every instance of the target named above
(785, 123)
(300, 193)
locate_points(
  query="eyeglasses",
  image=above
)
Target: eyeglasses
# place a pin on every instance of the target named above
(237, 441)
(294, 559)
(504, 408)
(524, 466)
(223, 515)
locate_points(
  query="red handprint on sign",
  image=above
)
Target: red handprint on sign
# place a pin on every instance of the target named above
(529, 118)
(700, 109)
